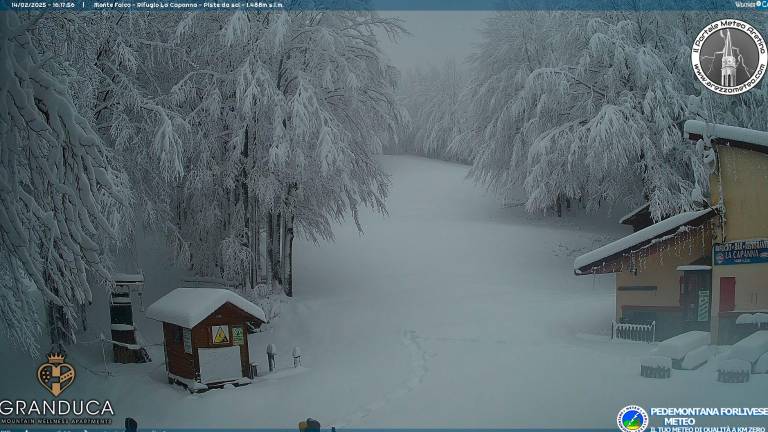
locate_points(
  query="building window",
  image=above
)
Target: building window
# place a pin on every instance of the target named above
(176, 335)
(638, 288)
(187, 337)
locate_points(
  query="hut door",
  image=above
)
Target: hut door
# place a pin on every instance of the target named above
(727, 294)
(219, 364)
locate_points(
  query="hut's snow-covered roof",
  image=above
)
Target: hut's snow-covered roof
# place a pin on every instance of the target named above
(739, 137)
(647, 234)
(186, 307)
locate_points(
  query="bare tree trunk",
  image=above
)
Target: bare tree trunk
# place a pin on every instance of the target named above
(283, 245)
(256, 248)
(288, 256)
(559, 206)
(270, 246)
(276, 272)
(246, 210)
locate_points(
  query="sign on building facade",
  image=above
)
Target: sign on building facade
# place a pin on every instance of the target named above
(237, 336)
(741, 252)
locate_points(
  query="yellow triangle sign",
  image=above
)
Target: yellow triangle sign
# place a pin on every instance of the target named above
(220, 337)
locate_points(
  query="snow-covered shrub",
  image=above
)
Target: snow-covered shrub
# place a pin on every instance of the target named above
(656, 367)
(734, 365)
(268, 299)
(656, 361)
(733, 370)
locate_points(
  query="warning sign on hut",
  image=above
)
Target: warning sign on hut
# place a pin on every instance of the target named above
(220, 334)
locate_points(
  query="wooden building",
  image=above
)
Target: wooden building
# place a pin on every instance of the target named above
(704, 269)
(205, 336)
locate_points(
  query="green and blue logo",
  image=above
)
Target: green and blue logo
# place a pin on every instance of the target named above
(632, 418)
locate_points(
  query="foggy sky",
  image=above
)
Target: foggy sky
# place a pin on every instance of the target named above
(435, 37)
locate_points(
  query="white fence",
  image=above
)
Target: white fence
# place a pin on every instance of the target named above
(634, 332)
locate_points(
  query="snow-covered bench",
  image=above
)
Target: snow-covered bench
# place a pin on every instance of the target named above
(751, 347)
(678, 346)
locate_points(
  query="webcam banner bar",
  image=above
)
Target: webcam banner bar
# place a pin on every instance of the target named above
(389, 5)
(324, 429)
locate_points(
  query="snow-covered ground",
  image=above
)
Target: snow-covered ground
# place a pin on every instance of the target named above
(452, 311)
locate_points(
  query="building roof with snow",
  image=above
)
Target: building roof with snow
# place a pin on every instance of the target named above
(187, 307)
(733, 136)
(657, 232)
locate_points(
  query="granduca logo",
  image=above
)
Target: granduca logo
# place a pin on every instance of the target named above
(56, 376)
(729, 57)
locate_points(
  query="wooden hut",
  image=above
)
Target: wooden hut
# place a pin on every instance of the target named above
(205, 336)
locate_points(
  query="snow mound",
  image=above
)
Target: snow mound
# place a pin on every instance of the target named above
(656, 361)
(761, 366)
(186, 307)
(697, 357)
(751, 347)
(734, 366)
(677, 347)
(745, 319)
(757, 318)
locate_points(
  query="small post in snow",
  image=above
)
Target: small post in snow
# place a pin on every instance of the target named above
(296, 356)
(271, 353)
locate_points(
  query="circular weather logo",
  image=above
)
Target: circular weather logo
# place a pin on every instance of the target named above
(632, 419)
(729, 57)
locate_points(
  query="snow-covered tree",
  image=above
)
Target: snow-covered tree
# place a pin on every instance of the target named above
(59, 188)
(289, 109)
(590, 107)
(433, 98)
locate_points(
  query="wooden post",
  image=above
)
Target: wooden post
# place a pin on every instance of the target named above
(271, 353)
(296, 357)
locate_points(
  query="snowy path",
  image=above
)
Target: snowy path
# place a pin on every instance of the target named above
(451, 311)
